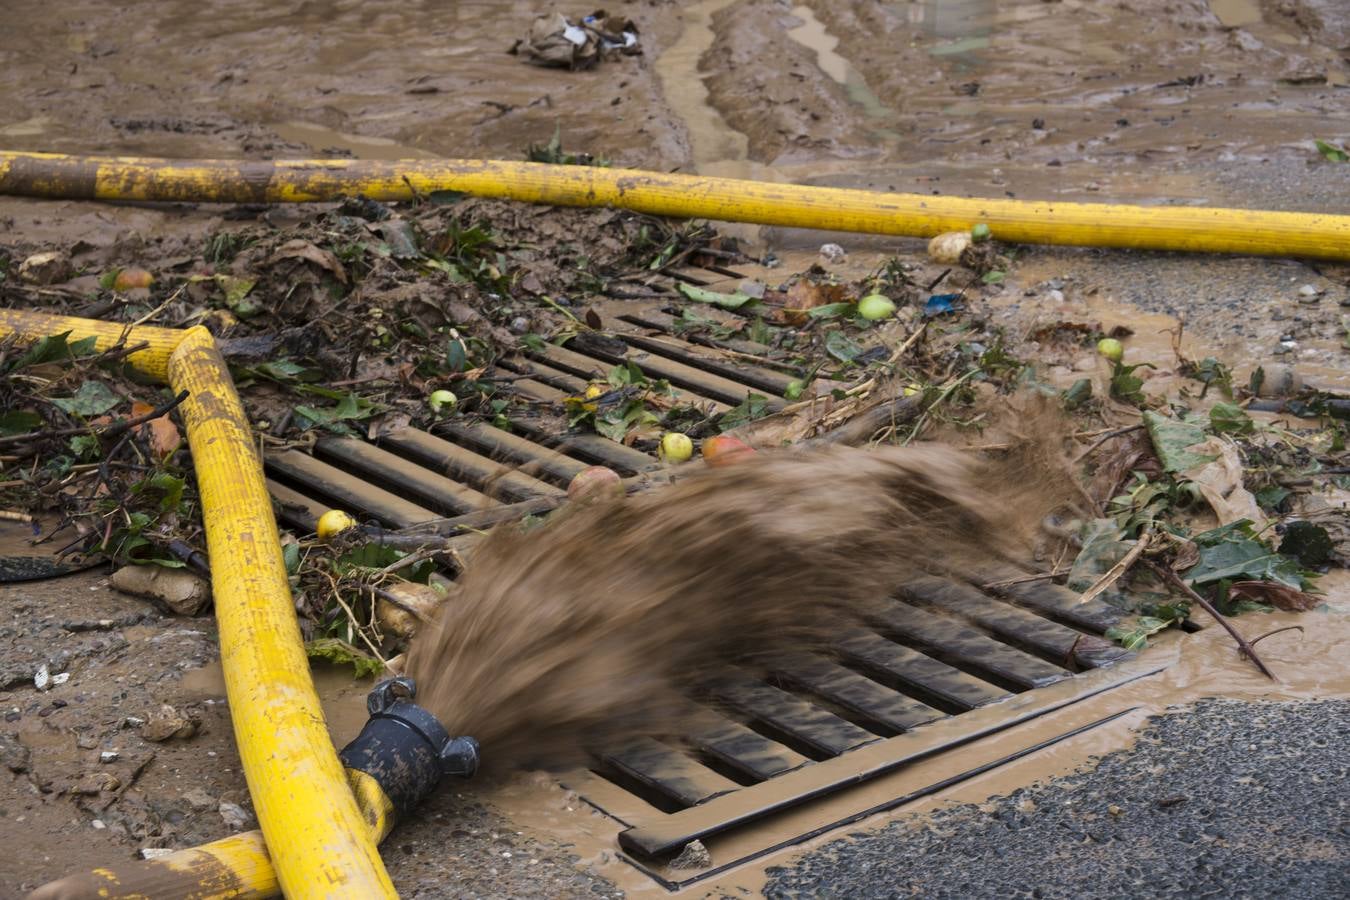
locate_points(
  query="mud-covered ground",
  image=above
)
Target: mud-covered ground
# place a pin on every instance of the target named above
(1149, 101)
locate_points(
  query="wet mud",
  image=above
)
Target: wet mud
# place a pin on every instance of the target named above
(1151, 102)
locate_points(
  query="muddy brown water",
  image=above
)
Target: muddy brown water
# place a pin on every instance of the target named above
(1154, 102)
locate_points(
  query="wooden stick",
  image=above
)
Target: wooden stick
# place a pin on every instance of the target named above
(1243, 646)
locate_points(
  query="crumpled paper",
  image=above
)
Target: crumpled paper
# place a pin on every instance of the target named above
(559, 42)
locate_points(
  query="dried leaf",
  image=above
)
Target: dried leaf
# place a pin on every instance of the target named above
(162, 433)
(301, 249)
(1279, 596)
(1220, 481)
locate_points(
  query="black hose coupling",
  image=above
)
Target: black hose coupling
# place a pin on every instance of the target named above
(405, 748)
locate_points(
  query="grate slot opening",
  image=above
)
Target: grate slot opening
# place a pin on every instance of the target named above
(643, 792)
(721, 766)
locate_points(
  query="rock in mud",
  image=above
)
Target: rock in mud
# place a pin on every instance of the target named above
(13, 755)
(51, 267)
(236, 817)
(693, 856)
(169, 723)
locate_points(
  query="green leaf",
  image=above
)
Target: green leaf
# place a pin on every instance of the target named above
(1234, 553)
(1077, 393)
(457, 360)
(1307, 542)
(1331, 152)
(1229, 418)
(626, 373)
(1135, 636)
(85, 446)
(19, 421)
(341, 653)
(1271, 496)
(994, 277)
(349, 408)
(533, 342)
(831, 310)
(171, 486)
(92, 399)
(53, 348)
(726, 301)
(754, 406)
(841, 347)
(290, 555)
(1172, 440)
(1127, 386)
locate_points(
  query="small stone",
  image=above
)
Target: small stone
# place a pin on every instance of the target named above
(155, 852)
(833, 253)
(752, 288)
(520, 325)
(1055, 296)
(236, 817)
(50, 267)
(1114, 810)
(693, 856)
(98, 825)
(13, 755)
(109, 756)
(1308, 291)
(170, 723)
(42, 678)
(200, 800)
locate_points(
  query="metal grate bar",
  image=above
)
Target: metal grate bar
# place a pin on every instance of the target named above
(553, 379)
(855, 694)
(656, 320)
(743, 749)
(294, 508)
(592, 447)
(1053, 600)
(705, 384)
(934, 682)
(968, 649)
(1057, 643)
(412, 481)
(347, 490)
(487, 475)
(796, 720)
(668, 772)
(775, 383)
(501, 444)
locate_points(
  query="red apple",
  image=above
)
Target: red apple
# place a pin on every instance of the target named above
(596, 482)
(725, 450)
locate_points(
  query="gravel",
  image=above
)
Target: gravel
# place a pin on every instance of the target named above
(1223, 799)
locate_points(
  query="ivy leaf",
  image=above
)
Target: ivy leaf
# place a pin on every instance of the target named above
(754, 406)
(19, 421)
(1136, 635)
(1229, 418)
(1172, 440)
(702, 295)
(341, 653)
(53, 348)
(1233, 553)
(841, 347)
(1332, 153)
(92, 399)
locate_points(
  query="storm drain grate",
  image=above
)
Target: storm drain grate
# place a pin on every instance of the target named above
(948, 662)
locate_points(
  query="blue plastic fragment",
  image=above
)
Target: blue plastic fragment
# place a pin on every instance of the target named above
(940, 303)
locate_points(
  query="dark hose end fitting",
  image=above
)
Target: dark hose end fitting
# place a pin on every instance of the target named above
(405, 748)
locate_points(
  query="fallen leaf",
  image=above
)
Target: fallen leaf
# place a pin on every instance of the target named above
(162, 433)
(1279, 596)
(1220, 482)
(302, 249)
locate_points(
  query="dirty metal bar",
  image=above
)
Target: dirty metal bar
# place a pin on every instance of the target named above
(565, 383)
(663, 834)
(294, 508)
(773, 383)
(1053, 600)
(497, 443)
(655, 320)
(346, 490)
(934, 682)
(741, 748)
(489, 476)
(964, 647)
(796, 720)
(700, 382)
(569, 361)
(394, 472)
(1051, 641)
(855, 694)
(668, 772)
(592, 448)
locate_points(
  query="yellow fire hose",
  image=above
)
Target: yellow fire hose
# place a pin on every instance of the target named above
(319, 842)
(1210, 230)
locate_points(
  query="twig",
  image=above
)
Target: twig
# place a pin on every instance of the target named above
(1115, 573)
(112, 430)
(1298, 628)
(1114, 433)
(1243, 645)
(13, 515)
(941, 398)
(159, 309)
(1009, 582)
